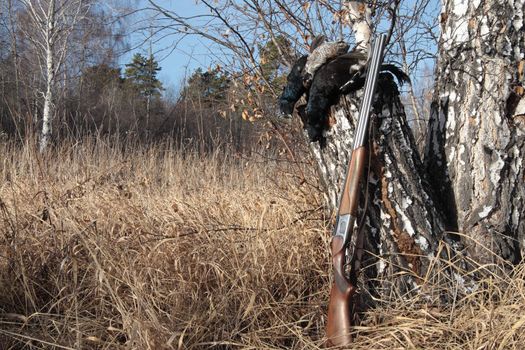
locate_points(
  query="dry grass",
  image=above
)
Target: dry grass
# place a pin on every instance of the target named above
(149, 249)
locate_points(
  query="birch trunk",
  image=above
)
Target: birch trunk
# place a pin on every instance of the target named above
(476, 138)
(47, 116)
(404, 229)
(358, 16)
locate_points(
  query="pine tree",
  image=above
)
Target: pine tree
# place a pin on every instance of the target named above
(271, 61)
(141, 74)
(211, 85)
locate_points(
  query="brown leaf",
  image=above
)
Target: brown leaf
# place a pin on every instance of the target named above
(306, 6)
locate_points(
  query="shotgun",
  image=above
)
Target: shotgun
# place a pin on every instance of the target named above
(340, 316)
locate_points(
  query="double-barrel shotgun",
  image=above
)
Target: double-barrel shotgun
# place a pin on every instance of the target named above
(339, 323)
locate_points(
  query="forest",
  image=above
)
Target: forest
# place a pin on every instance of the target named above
(144, 212)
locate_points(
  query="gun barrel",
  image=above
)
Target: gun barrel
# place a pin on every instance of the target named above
(370, 87)
(349, 198)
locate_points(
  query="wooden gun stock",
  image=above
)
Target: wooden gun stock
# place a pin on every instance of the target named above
(339, 323)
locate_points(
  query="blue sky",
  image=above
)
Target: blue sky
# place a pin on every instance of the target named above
(180, 60)
(175, 60)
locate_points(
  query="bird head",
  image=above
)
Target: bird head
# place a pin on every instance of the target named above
(294, 88)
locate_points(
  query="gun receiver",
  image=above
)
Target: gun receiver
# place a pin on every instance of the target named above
(339, 323)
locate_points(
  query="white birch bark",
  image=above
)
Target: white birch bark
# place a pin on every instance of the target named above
(358, 16)
(49, 109)
(476, 142)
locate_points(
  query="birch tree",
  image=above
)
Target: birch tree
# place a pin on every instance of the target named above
(405, 230)
(52, 23)
(476, 146)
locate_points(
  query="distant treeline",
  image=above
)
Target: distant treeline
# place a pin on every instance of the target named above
(77, 80)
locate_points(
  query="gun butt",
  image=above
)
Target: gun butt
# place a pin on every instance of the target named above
(339, 322)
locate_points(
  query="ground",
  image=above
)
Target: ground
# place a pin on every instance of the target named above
(144, 247)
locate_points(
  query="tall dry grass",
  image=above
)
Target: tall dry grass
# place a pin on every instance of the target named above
(134, 247)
